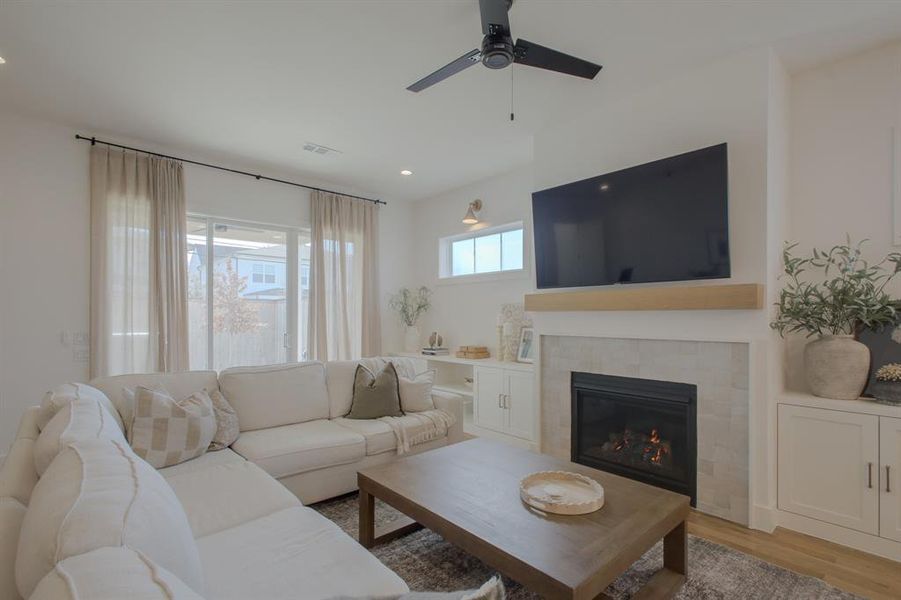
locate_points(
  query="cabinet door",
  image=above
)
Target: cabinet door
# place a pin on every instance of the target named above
(828, 466)
(890, 478)
(489, 391)
(520, 404)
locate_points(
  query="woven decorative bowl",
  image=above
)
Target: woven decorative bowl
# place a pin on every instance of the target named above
(561, 492)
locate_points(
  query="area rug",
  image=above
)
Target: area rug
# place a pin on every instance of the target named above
(428, 563)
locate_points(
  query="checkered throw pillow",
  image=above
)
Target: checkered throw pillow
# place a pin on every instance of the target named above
(165, 431)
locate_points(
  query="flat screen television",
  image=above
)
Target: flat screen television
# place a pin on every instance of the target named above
(662, 221)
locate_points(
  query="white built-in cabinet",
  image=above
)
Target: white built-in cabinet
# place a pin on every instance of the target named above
(890, 478)
(841, 467)
(499, 396)
(504, 401)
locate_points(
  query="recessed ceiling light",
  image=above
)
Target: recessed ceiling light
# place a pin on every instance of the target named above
(406, 172)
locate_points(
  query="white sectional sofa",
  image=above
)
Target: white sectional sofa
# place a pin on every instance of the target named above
(101, 523)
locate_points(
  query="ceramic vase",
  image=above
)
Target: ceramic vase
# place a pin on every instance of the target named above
(837, 366)
(411, 339)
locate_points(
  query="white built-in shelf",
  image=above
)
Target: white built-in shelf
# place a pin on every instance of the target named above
(864, 406)
(473, 362)
(454, 388)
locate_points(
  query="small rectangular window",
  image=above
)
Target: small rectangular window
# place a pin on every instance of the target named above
(491, 250)
(463, 259)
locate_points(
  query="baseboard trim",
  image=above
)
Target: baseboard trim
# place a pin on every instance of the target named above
(841, 535)
(763, 518)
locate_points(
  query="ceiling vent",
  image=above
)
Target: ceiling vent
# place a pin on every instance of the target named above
(319, 148)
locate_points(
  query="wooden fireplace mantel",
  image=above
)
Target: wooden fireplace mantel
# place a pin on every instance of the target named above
(737, 296)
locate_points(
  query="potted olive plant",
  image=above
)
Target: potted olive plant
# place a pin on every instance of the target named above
(833, 295)
(410, 305)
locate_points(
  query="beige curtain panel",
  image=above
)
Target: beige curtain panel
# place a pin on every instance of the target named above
(343, 317)
(139, 321)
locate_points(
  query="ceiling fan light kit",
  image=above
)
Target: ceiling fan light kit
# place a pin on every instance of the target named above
(498, 51)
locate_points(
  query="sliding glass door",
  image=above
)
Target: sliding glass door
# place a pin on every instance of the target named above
(245, 293)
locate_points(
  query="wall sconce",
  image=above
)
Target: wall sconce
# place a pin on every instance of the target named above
(474, 207)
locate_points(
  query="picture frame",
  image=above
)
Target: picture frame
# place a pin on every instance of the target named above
(884, 346)
(526, 353)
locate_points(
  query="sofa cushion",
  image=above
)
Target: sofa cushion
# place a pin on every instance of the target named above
(227, 495)
(276, 395)
(177, 385)
(84, 418)
(61, 395)
(98, 493)
(12, 512)
(416, 392)
(208, 460)
(17, 473)
(111, 573)
(294, 549)
(379, 436)
(376, 394)
(165, 431)
(227, 426)
(339, 376)
(292, 449)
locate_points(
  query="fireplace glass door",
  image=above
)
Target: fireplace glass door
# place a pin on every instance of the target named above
(646, 432)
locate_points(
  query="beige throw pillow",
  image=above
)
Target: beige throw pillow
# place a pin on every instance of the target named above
(227, 429)
(375, 395)
(416, 393)
(165, 432)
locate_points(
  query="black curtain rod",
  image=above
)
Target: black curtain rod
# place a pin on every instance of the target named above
(201, 164)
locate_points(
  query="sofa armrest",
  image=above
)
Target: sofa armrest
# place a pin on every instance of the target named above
(452, 403)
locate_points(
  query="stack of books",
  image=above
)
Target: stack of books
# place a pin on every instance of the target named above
(435, 351)
(473, 352)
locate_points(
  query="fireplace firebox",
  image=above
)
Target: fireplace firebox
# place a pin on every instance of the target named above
(638, 428)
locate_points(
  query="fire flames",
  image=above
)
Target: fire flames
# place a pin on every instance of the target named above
(637, 448)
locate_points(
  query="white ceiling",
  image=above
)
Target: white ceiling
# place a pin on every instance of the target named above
(251, 82)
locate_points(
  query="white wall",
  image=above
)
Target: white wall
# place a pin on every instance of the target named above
(45, 247)
(44, 262)
(466, 312)
(842, 159)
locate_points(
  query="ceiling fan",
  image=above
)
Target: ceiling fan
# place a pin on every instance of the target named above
(498, 51)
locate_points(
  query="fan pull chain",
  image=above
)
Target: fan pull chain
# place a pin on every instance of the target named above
(512, 79)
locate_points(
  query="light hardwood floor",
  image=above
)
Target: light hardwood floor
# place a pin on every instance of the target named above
(845, 568)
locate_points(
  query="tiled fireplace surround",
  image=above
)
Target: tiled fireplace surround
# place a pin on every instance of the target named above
(718, 369)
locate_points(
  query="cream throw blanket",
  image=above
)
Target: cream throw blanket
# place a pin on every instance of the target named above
(420, 427)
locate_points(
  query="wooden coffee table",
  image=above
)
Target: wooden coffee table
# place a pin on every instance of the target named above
(469, 494)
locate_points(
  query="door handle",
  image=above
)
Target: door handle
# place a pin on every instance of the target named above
(870, 475)
(888, 474)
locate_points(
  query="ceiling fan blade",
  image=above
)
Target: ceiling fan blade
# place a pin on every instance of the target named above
(535, 55)
(467, 60)
(494, 12)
